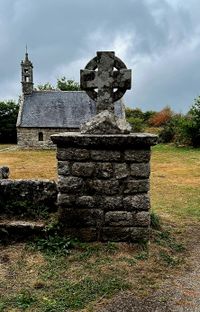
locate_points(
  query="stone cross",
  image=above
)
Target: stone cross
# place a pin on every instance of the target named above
(111, 83)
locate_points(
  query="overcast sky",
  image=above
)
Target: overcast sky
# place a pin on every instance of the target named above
(158, 39)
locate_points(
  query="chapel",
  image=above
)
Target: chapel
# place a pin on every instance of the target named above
(43, 113)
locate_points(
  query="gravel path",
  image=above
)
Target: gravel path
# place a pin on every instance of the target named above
(180, 295)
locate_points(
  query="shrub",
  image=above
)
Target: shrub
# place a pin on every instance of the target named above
(137, 124)
(135, 113)
(161, 118)
(148, 115)
(193, 126)
(8, 119)
(169, 131)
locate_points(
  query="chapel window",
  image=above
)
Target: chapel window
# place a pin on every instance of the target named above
(40, 136)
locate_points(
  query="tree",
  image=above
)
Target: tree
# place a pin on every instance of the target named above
(62, 84)
(195, 111)
(193, 125)
(45, 87)
(8, 118)
(67, 85)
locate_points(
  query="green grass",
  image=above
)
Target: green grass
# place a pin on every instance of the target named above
(63, 295)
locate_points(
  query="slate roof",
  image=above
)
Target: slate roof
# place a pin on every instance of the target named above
(59, 109)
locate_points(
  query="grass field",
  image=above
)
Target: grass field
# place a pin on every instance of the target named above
(35, 280)
(29, 164)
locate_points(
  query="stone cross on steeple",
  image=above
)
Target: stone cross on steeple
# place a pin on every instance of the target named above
(100, 74)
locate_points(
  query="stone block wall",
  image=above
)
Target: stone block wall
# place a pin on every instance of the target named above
(27, 199)
(103, 185)
(29, 137)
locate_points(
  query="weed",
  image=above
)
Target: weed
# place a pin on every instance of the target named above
(130, 261)
(88, 250)
(53, 225)
(178, 247)
(142, 256)
(24, 300)
(2, 306)
(166, 239)
(111, 247)
(168, 259)
(76, 296)
(155, 221)
(54, 245)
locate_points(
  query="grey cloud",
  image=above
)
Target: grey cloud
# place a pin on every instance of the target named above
(60, 33)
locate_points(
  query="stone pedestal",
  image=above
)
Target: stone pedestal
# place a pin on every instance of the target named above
(103, 183)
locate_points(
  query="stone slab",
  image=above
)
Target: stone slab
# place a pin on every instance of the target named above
(108, 141)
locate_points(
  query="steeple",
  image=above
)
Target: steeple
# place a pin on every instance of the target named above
(27, 75)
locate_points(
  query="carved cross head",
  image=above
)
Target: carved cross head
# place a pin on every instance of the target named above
(105, 79)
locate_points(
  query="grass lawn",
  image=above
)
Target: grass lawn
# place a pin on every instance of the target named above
(29, 164)
(175, 182)
(35, 280)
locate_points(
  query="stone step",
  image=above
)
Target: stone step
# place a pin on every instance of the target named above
(17, 230)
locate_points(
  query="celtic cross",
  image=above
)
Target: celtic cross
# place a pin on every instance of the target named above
(109, 75)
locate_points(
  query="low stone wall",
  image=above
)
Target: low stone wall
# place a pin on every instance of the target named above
(103, 185)
(27, 199)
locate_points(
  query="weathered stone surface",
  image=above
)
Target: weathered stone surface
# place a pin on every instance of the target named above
(20, 230)
(141, 219)
(119, 218)
(86, 202)
(141, 141)
(105, 155)
(70, 185)
(136, 186)
(89, 234)
(103, 170)
(4, 172)
(121, 170)
(108, 203)
(83, 169)
(139, 234)
(140, 170)
(81, 217)
(136, 202)
(27, 198)
(116, 234)
(28, 138)
(65, 200)
(110, 187)
(105, 79)
(63, 168)
(72, 154)
(104, 123)
(139, 156)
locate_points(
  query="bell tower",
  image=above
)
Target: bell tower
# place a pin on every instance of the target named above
(27, 75)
